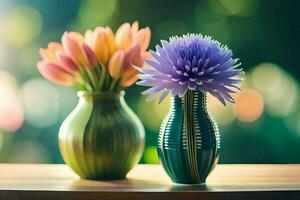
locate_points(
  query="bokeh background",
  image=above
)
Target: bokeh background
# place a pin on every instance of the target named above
(262, 127)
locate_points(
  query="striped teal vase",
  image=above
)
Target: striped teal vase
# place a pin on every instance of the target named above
(188, 143)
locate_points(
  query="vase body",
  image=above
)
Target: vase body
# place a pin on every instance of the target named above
(102, 138)
(188, 143)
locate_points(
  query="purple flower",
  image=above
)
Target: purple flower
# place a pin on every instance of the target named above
(191, 62)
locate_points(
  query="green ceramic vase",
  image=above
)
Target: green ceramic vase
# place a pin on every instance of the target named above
(188, 144)
(102, 138)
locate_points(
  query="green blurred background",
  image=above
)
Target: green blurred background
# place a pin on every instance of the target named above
(263, 126)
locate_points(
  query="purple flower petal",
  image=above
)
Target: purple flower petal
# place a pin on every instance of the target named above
(191, 62)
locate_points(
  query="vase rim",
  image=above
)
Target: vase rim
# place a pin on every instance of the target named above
(190, 91)
(101, 94)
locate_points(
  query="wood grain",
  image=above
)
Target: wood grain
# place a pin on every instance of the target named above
(26, 181)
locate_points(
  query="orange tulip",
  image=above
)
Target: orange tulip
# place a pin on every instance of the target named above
(134, 42)
(111, 40)
(143, 38)
(124, 36)
(134, 28)
(116, 64)
(50, 53)
(129, 79)
(100, 46)
(88, 37)
(54, 54)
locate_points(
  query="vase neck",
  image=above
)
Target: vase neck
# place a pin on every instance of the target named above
(102, 96)
(192, 99)
(196, 98)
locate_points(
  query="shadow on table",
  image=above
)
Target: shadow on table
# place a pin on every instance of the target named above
(131, 184)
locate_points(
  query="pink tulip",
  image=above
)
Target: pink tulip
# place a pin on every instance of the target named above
(67, 63)
(133, 56)
(72, 45)
(55, 73)
(90, 55)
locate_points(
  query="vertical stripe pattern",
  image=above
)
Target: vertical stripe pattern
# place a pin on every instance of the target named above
(188, 142)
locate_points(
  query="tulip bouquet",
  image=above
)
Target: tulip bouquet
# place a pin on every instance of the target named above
(99, 60)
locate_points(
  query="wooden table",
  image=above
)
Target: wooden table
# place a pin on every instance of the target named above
(229, 182)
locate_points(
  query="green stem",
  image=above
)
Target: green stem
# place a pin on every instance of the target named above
(102, 78)
(79, 86)
(113, 84)
(95, 78)
(97, 71)
(91, 77)
(108, 81)
(191, 140)
(118, 87)
(85, 79)
(82, 84)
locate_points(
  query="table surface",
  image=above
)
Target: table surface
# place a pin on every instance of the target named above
(43, 181)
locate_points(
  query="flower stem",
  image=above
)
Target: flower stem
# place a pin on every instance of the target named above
(95, 78)
(85, 79)
(79, 86)
(113, 84)
(102, 78)
(97, 71)
(91, 77)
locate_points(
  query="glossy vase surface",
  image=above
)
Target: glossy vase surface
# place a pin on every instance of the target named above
(188, 143)
(102, 138)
